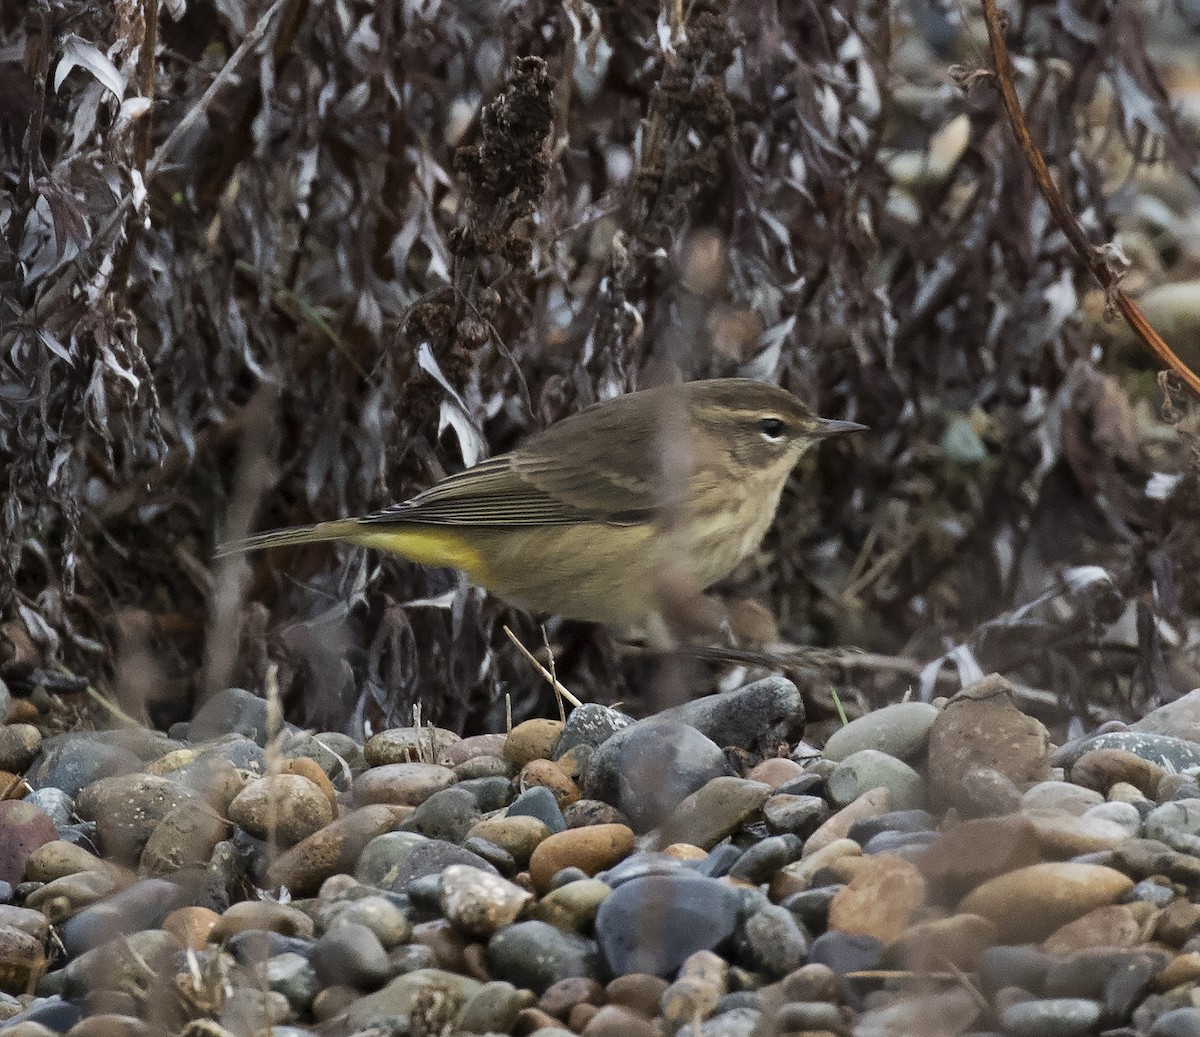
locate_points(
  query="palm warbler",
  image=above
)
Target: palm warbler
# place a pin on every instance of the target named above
(590, 518)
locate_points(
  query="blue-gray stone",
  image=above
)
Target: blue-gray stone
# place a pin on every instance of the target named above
(760, 862)
(653, 923)
(232, 711)
(539, 802)
(648, 769)
(535, 955)
(1179, 1022)
(845, 953)
(72, 761)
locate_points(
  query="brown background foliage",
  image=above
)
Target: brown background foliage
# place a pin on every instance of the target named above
(402, 232)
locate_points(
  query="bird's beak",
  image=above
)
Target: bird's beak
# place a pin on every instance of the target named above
(827, 427)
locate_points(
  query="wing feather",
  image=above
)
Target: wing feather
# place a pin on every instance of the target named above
(600, 465)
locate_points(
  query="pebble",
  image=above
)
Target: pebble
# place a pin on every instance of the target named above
(532, 740)
(1177, 824)
(517, 835)
(981, 728)
(900, 730)
(1030, 903)
(1116, 925)
(652, 924)
(1020, 966)
(1178, 1022)
(548, 775)
(974, 851)
(590, 724)
(843, 952)
(428, 858)
(880, 900)
(870, 804)
(70, 762)
(539, 803)
(759, 863)
(1053, 1017)
(405, 784)
(1101, 769)
(710, 814)
(352, 955)
(617, 1021)
(409, 745)
(590, 849)
(335, 848)
(185, 838)
(773, 940)
(869, 769)
(960, 940)
(572, 906)
(493, 884)
(1173, 754)
(756, 718)
(479, 903)
(534, 956)
(283, 808)
(447, 815)
(128, 808)
(491, 792)
(494, 1008)
(232, 711)
(427, 989)
(456, 753)
(795, 815)
(776, 771)
(25, 829)
(19, 744)
(388, 922)
(648, 769)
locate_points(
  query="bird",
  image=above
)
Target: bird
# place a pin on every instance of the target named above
(605, 515)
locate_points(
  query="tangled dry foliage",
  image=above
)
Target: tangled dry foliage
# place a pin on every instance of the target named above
(256, 287)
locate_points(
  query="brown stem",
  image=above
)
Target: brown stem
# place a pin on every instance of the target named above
(1089, 253)
(146, 62)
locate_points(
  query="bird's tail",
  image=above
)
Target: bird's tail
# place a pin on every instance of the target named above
(321, 532)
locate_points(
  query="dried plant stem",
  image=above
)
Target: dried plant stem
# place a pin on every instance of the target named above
(550, 678)
(60, 291)
(562, 711)
(1089, 253)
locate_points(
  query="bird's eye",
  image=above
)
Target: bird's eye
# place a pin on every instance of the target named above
(772, 428)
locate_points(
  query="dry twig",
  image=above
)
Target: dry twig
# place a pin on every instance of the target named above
(1094, 256)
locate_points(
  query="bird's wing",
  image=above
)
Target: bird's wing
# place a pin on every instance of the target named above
(600, 465)
(494, 493)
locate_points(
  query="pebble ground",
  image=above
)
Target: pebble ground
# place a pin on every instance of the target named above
(933, 869)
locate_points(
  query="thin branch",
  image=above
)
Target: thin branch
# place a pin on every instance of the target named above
(1092, 255)
(550, 678)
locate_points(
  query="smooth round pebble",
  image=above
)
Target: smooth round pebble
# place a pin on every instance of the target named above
(1053, 1017)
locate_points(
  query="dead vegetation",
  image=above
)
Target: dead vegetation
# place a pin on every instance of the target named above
(341, 249)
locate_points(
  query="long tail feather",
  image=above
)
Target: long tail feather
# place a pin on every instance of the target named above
(322, 531)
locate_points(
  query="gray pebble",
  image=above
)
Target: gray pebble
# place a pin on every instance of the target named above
(534, 955)
(1052, 1017)
(868, 769)
(350, 954)
(292, 976)
(900, 730)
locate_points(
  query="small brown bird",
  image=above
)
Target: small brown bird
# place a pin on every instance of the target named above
(609, 512)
